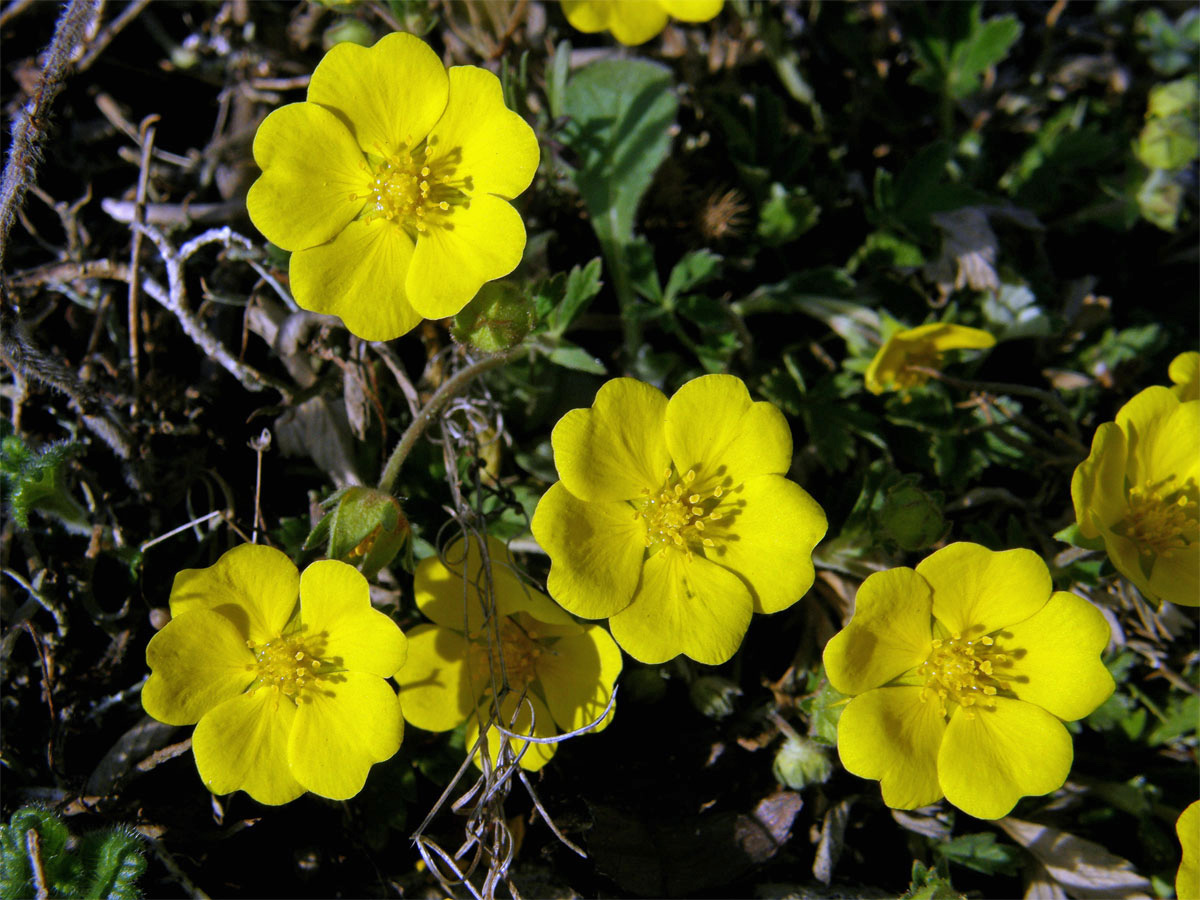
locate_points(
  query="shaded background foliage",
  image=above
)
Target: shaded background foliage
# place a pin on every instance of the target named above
(765, 194)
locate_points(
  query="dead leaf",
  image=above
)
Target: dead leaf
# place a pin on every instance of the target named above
(1084, 870)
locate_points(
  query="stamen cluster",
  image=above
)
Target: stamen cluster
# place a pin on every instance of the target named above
(410, 190)
(287, 664)
(962, 671)
(1160, 520)
(510, 655)
(676, 515)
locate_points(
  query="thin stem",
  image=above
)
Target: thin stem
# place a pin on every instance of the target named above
(449, 389)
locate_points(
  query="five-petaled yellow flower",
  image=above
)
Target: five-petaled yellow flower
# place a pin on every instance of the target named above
(390, 185)
(1184, 373)
(1187, 829)
(923, 346)
(673, 518)
(963, 672)
(1138, 491)
(636, 21)
(530, 653)
(287, 697)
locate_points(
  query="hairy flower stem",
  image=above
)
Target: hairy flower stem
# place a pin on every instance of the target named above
(449, 389)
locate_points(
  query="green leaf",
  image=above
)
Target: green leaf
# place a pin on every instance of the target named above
(1072, 535)
(929, 884)
(115, 861)
(954, 51)
(980, 852)
(786, 214)
(582, 285)
(693, 270)
(622, 112)
(571, 357)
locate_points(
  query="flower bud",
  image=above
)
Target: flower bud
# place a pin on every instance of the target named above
(911, 517)
(800, 762)
(499, 318)
(714, 696)
(364, 527)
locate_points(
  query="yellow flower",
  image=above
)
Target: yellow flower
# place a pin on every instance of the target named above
(286, 698)
(963, 671)
(1138, 491)
(921, 346)
(636, 21)
(530, 651)
(673, 518)
(1184, 372)
(1187, 881)
(390, 185)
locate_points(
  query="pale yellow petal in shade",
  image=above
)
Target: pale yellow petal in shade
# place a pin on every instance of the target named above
(1161, 435)
(631, 22)
(943, 336)
(359, 277)
(1184, 371)
(389, 95)
(1098, 484)
(693, 10)
(344, 725)
(304, 198)
(448, 592)
(537, 754)
(1174, 578)
(477, 242)
(921, 346)
(255, 587)
(577, 675)
(989, 762)
(615, 449)
(241, 745)
(482, 138)
(198, 661)
(889, 633)
(588, 16)
(595, 550)
(892, 736)
(1055, 657)
(1187, 829)
(434, 688)
(713, 427)
(977, 591)
(335, 603)
(769, 541)
(689, 606)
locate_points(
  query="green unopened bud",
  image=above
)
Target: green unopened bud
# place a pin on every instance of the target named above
(36, 481)
(644, 684)
(802, 761)
(353, 31)
(714, 696)
(364, 527)
(911, 517)
(497, 319)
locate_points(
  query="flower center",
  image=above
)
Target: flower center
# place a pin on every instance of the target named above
(288, 664)
(1161, 521)
(414, 191)
(962, 671)
(920, 355)
(511, 656)
(676, 515)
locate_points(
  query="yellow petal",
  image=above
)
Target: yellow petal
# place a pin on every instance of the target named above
(345, 725)
(389, 95)
(634, 22)
(1187, 829)
(595, 549)
(689, 606)
(615, 449)
(253, 586)
(1098, 484)
(1055, 657)
(483, 241)
(588, 16)
(974, 587)
(577, 675)
(445, 595)
(889, 633)
(434, 688)
(335, 600)
(241, 745)
(1184, 371)
(198, 661)
(359, 277)
(769, 541)
(989, 762)
(890, 735)
(487, 142)
(944, 336)
(715, 429)
(919, 346)
(1162, 435)
(304, 196)
(543, 726)
(1174, 578)
(693, 10)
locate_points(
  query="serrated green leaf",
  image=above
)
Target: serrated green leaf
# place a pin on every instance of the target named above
(693, 270)
(980, 852)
